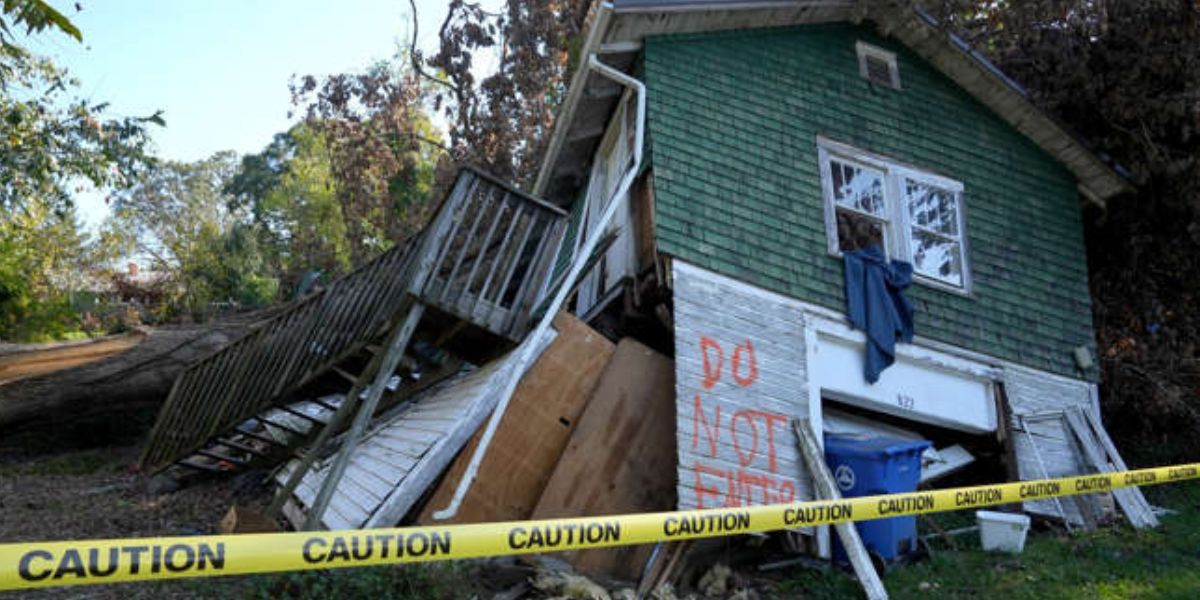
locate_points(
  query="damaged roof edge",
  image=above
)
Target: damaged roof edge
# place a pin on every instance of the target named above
(915, 29)
(596, 24)
(920, 32)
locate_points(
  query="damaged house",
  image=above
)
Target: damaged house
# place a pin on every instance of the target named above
(672, 293)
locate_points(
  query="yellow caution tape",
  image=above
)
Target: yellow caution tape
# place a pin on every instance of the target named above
(45, 564)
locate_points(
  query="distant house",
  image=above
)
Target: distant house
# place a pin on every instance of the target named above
(777, 136)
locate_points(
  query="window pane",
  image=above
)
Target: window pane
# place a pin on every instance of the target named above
(932, 207)
(937, 257)
(857, 188)
(856, 232)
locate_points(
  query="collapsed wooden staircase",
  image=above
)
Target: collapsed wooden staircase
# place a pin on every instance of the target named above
(461, 290)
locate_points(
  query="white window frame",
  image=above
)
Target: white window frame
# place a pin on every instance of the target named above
(864, 50)
(896, 227)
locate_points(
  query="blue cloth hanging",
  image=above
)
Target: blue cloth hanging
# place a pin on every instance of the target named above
(875, 304)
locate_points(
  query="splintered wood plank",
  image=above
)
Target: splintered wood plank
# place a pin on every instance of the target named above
(621, 457)
(1107, 443)
(1132, 502)
(536, 427)
(826, 489)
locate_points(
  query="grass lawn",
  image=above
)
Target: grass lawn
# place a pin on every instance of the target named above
(1114, 562)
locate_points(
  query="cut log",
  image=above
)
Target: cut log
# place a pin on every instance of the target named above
(91, 386)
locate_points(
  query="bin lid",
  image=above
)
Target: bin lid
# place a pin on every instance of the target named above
(872, 446)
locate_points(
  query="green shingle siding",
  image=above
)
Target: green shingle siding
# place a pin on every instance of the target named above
(733, 119)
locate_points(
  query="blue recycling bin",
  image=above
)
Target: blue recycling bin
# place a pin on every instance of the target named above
(867, 465)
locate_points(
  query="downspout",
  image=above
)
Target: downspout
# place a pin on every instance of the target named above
(529, 351)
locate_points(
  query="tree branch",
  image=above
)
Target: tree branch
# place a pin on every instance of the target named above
(435, 143)
(416, 57)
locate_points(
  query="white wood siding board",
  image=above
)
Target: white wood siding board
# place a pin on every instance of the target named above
(441, 422)
(711, 306)
(368, 480)
(768, 305)
(727, 458)
(768, 356)
(686, 491)
(803, 487)
(406, 446)
(356, 502)
(764, 392)
(414, 484)
(433, 431)
(737, 326)
(305, 492)
(738, 315)
(775, 392)
(443, 401)
(371, 468)
(335, 519)
(1033, 392)
(397, 461)
(382, 468)
(352, 502)
(438, 411)
(400, 435)
(768, 352)
(1058, 463)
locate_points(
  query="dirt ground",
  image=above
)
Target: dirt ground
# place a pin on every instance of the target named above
(98, 493)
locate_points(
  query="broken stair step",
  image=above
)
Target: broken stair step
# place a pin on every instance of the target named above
(240, 446)
(221, 456)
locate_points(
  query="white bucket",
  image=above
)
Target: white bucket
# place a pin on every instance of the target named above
(1002, 532)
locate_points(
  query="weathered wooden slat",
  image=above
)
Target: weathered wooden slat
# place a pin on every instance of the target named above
(1132, 502)
(241, 462)
(465, 248)
(514, 262)
(456, 207)
(239, 446)
(826, 489)
(497, 210)
(485, 291)
(391, 359)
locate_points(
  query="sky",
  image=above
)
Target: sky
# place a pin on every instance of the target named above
(219, 69)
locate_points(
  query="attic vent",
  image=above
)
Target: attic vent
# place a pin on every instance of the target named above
(878, 65)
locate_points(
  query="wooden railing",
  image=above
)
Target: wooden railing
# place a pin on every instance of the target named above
(483, 258)
(494, 249)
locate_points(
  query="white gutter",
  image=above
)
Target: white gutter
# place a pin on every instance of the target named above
(529, 352)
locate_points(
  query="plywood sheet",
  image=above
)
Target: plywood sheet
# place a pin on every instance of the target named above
(621, 458)
(533, 433)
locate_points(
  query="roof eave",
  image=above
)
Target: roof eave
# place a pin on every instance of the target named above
(1098, 182)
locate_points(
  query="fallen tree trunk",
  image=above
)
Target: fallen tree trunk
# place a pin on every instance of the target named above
(124, 388)
(38, 359)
